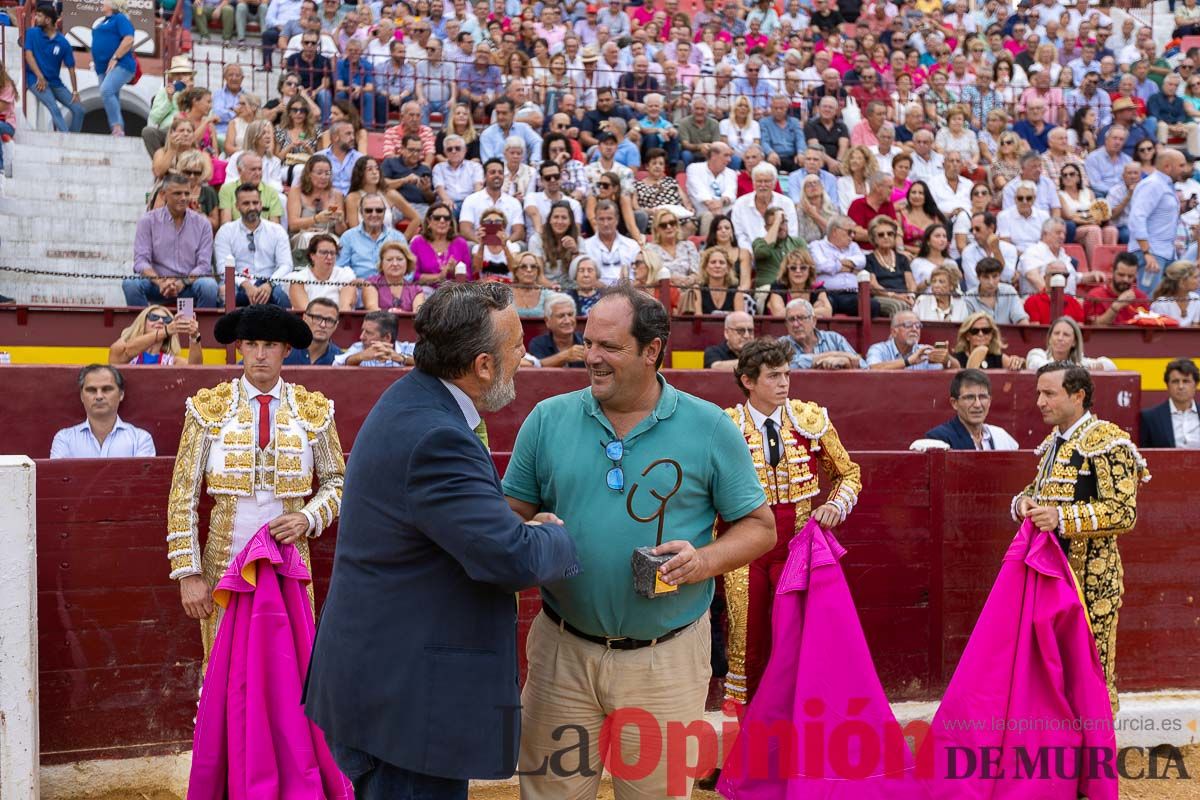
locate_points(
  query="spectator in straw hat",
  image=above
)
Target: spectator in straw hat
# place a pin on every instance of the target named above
(163, 108)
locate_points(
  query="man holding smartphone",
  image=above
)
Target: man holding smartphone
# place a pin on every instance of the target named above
(903, 349)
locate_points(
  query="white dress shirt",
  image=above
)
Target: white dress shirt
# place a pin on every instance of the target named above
(1039, 256)
(971, 256)
(1186, 424)
(748, 224)
(612, 261)
(465, 404)
(760, 420)
(703, 186)
(123, 441)
(951, 200)
(271, 257)
(1022, 231)
(458, 183)
(250, 393)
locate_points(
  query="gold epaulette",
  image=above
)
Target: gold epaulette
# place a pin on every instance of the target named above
(810, 420)
(214, 406)
(1104, 437)
(314, 411)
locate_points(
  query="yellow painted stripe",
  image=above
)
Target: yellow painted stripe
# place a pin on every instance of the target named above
(687, 359)
(83, 355)
(1151, 370)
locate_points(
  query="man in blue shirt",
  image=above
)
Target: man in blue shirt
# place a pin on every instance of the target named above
(46, 53)
(903, 349)
(322, 318)
(1168, 108)
(782, 135)
(491, 141)
(354, 80)
(103, 434)
(341, 154)
(360, 244)
(1154, 218)
(813, 348)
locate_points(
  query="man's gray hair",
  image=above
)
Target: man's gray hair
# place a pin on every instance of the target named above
(454, 138)
(1116, 129)
(514, 141)
(558, 299)
(1051, 224)
(764, 170)
(606, 205)
(839, 222)
(799, 303)
(455, 326)
(1030, 185)
(878, 178)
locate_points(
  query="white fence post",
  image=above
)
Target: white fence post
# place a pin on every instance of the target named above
(19, 751)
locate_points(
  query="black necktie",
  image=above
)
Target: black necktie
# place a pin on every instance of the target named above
(774, 448)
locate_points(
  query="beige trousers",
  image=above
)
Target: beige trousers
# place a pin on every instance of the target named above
(573, 685)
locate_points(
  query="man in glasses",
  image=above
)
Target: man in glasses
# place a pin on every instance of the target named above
(360, 245)
(259, 249)
(739, 330)
(322, 317)
(633, 434)
(456, 178)
(172, 252)
(971, 399)
(315, 71)
(903, 349)
(786, 440)
(1125, 114)
(537, 204)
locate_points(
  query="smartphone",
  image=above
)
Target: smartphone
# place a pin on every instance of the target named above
(179, 86)
(491, 231)
(185, 307)
(941, 345)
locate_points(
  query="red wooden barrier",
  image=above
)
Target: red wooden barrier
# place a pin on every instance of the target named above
(872, 411)
(119, 661)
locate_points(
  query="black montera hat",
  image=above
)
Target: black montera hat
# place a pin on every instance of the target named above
(265, 323)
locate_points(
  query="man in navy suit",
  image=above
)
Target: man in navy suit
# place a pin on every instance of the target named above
(971, 398)
(1175, 422)
(414, 670)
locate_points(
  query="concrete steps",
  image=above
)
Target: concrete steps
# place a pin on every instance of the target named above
(71, 207)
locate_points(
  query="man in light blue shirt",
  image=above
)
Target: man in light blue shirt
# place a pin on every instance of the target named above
(103, 434)
(812, 163)
(757, 90)
(903, 349)
(360, 245)
(491, 141)
(226, 98)
(341, 154)
(1154, 218)
(813, 348)
(782, 136)
(1104, 164)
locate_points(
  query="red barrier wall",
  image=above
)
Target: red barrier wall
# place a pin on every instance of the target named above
(872, 411)
(119, 661)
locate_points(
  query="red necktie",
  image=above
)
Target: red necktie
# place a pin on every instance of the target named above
(264, 420)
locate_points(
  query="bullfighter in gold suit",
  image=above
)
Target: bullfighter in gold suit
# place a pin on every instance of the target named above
(785, 437)
(1086, 492)
(256, 442)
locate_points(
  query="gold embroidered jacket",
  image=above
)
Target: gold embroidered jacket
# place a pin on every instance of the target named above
(218, 448)
(806, 433)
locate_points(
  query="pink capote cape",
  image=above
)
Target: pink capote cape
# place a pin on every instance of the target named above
(821, 689)
(252, 737)
(1031, 660)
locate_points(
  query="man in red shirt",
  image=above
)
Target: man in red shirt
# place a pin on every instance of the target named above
(1037, 306)
(876, 202)
(1119, 300)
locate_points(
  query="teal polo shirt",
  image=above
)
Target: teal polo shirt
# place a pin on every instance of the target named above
(558, 464)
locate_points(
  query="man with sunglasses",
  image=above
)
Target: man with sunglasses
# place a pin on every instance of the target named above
(259, 250)
(537, 204)
(971, 399)
(322, 317)
(315, 71)
(597, 644)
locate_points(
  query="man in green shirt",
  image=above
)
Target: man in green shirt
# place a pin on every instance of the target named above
(697, 132)
(163, 108)
(249, 169)
(602, 459)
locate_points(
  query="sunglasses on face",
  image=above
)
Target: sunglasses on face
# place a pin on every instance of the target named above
(440, 218)
(372, 210)
(670, 223)
(193, 173)
(1024, 198)
(605, 185)
(293, 84)
(158, 318)
(980, 331)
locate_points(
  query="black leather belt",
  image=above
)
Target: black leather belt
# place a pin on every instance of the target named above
(612, 643)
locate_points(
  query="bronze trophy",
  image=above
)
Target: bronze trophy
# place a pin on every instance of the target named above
(646, 579)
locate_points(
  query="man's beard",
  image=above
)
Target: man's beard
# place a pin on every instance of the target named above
(502, 392)
(252, 217)
(1122, 287)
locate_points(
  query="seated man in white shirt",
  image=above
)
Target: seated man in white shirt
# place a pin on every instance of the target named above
(1021, 226)
(491, 196)
(749, 210)
(377, 345)
(952, 194)
(1049, 250)
(971, 399)
(838, 260)
(712, 185)
(456, 178)
(986, 243)
(103, 434)
(260, 251)
(612, 253)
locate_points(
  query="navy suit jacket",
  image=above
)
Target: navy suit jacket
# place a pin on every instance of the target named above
(953, 433)
(1156, 428)
(415, 658)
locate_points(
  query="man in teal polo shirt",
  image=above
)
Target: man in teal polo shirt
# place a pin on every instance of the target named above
(598, 646)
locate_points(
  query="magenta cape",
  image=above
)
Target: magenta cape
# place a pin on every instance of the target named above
(252, 737)
(819, 725)
(1030, 687)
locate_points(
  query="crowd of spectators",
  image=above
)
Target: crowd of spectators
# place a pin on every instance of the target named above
(952, 162)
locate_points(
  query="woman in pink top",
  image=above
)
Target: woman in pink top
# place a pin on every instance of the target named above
(439, 249)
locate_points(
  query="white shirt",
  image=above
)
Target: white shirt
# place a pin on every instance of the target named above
(465, 404)
(1036, 258)
(612, 262)
(1169, 308)
(542, 203)
(760, 422)
(703, 186)
(479, 202)
(1021, 231)
(272, 254)
(1186, 425)
(458, 183)
(329, 291)
(923, 170)
(748, 224)
(123, 441)
(249, 392)
(996, 438)
(950, 200)
(973, 254)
